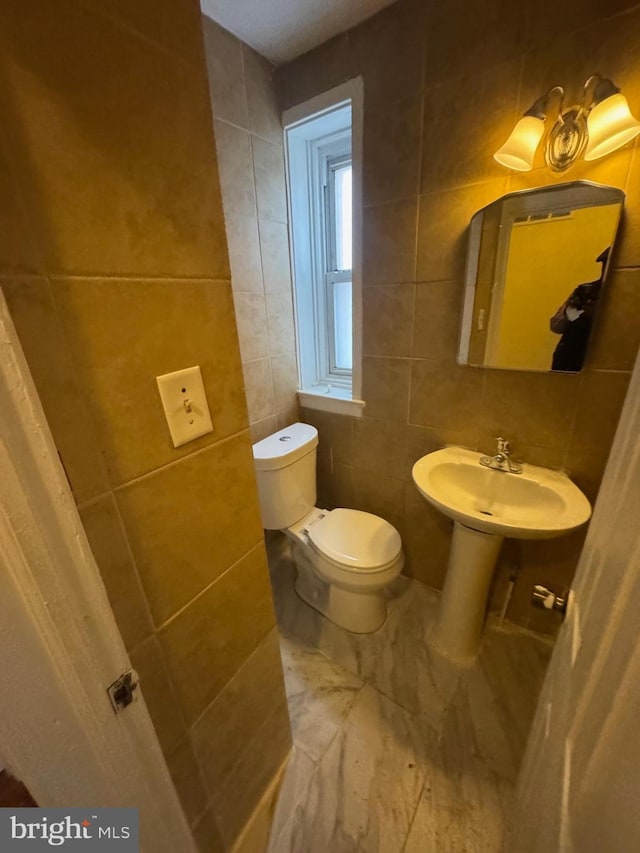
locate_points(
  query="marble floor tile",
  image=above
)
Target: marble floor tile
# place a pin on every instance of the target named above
(395, 659)
(491, 711)
(365, 790)
(473, 727)
(290, 814)
(320, 694)
(398, 750)
(464, 808)
(514, 662)
(402, 665)
(294, 617)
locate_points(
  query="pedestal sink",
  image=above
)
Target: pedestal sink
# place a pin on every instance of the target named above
(486, 506)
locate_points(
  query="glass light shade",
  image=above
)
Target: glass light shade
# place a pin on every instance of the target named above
(520, 148)
(610, 125)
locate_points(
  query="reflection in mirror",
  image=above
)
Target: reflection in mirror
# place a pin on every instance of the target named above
(536, 265)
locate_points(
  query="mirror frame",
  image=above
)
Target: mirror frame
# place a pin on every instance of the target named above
(585, 190)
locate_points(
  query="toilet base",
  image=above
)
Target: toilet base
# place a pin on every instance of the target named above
(358, 612)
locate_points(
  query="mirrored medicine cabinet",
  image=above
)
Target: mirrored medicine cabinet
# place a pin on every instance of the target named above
(537, 263)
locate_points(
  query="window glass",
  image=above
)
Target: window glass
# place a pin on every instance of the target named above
(342, 313)
(342, 178)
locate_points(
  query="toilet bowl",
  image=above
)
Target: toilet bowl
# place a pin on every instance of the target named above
(345, 558)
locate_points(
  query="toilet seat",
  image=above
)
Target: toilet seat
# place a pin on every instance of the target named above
(355, 541)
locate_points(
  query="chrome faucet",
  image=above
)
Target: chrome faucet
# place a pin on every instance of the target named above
(502, 460)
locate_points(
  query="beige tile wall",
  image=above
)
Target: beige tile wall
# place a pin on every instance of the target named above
(113, 259)
(444, 85)
(251, 162)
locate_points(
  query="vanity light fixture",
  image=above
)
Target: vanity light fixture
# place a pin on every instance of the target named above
(597, 126)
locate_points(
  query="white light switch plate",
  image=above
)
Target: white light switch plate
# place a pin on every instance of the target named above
(185, 404)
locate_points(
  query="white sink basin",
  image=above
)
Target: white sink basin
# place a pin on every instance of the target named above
(537, 504)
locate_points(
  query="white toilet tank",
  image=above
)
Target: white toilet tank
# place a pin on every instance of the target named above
(285, 465)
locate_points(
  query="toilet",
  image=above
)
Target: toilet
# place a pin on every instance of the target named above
(345, 558)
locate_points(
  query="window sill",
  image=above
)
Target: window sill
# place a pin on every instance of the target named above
(332, 401)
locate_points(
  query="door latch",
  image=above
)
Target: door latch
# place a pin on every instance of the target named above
(122, 690)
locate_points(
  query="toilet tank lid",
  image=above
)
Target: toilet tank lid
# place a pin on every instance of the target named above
(284, 447)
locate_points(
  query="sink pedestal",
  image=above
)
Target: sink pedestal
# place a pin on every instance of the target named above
(487, 505)
(463, 603)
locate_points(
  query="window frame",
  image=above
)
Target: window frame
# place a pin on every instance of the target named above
(325, 155)
(309, 157)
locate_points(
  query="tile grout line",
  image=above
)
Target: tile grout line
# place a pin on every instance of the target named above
(206, 589)
(120, 487)
(413, 818)
(259, 136)
(136, 574)
(143, 278)
(235, 675)
(139, 35)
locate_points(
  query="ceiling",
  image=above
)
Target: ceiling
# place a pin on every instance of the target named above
(284, 29)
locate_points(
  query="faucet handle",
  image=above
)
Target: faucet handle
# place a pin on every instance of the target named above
(503, 445)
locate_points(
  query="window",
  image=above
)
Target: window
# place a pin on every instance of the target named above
(323, 179)
(332, 229)
(339, 251)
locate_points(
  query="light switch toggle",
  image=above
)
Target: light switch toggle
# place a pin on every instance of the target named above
(185, 404)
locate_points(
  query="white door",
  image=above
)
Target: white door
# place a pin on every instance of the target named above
(59, 644)
(579, 790)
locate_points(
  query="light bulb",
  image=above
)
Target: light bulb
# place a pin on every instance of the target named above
(520, 148)
(610, 125)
